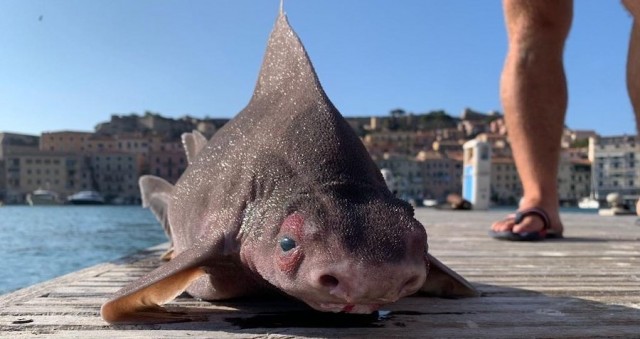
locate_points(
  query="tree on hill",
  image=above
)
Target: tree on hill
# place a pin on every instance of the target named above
(437, 120)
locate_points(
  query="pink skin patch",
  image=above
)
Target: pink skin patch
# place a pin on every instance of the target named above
(291, 227)
(348, 308)
(365, 308)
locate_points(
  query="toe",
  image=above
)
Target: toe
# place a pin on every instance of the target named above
(504, 225)
(530, 223)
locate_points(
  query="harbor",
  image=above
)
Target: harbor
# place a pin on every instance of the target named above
(585, 285)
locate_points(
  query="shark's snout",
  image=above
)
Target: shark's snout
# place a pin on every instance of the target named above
(349, 284)
(351, 287)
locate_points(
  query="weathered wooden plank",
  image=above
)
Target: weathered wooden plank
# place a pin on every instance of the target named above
(587, 285)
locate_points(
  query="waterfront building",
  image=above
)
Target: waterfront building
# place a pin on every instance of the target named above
(12, 144)
(506, 188)
(168, 162)
(441, 173)
(101, 143)
(579, 181)
(407, 176)
(63, 173)
(115, 175)
(574, 177)
(65, 141)
(15, 143)
(615, 167)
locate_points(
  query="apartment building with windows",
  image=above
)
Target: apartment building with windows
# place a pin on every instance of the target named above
(614, 166)
(13, 144)
(441, 173)
(65, 141)
(506, 188)
(63, 173)
(115, 175)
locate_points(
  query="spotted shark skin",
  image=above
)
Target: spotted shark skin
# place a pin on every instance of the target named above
(284, 198)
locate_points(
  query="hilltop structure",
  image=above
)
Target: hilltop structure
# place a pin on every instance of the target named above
(109, 160)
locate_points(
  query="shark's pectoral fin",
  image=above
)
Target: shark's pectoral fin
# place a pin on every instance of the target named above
(193, 143)
(156, 194)
(140, 301)
(444, 282)
(143, 305)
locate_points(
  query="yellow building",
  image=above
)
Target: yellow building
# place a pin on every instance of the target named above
(62, 173)
(65, 141)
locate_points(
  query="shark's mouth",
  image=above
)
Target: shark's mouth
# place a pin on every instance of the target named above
(346, 308)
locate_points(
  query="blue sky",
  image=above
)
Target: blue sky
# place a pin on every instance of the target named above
(86, 60)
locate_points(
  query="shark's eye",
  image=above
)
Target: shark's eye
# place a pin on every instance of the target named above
(287, 244)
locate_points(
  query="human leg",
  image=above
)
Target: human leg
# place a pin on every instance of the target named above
(633, 58)
(534, 97)
(633, 65)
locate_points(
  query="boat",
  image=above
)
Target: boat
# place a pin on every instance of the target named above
(43, 197)
(86, 198)
(430, 202)
(588, 203)
(591, 202)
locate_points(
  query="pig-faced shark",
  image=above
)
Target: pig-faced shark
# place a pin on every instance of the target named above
(284, 197)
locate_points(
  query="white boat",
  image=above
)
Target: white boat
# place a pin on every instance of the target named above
(588, 203)
(43, 197)
(86, 198)
(430, 202)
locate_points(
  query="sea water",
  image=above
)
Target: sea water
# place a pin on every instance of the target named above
(42, 242)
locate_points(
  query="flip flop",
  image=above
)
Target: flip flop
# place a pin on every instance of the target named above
(527, 236)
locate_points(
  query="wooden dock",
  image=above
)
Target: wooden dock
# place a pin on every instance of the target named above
(586, 285)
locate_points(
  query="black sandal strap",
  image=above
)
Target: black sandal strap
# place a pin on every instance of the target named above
(533, 211)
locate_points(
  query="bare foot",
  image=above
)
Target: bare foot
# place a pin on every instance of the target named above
(531, 223)
(638, 207)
